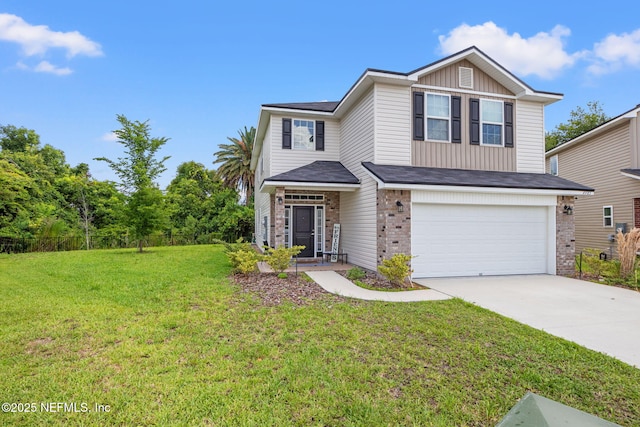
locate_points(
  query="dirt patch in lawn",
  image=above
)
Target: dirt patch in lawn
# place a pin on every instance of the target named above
(299, 290)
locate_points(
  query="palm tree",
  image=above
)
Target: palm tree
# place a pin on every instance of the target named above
(235, 170)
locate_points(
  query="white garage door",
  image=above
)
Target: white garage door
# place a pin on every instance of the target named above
(473, 240)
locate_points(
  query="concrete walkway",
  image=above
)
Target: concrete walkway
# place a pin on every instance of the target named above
(337, 284)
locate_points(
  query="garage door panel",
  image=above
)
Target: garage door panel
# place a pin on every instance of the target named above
(464, 240)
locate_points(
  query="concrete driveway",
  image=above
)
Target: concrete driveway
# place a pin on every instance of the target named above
(599, 317)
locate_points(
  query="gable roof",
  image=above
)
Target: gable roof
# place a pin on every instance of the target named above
(604, 127)
(370, 76)
(417, 175)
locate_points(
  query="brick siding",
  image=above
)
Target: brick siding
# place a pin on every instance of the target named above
(565, 238)
(393, 227)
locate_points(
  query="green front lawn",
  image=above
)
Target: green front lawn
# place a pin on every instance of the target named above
(163, 338)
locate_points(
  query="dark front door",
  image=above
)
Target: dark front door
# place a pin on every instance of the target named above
(303, 229)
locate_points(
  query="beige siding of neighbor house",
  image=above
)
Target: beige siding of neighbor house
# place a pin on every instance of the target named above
(392, 125)
(358, 208)
(597, 163)
(283, 160)
(529, 139)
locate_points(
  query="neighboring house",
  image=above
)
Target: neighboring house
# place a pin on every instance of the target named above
(445, 163)
(606, 158)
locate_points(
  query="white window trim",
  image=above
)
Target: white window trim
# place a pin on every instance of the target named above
(293, 139)
(604, 217)
(482, 122)
(427, 117)
(551, 161)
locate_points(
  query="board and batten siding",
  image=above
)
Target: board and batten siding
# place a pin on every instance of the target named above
(529, 137)
(358, 208)
(448, 77)
(392, 125)
(284, 160)
(439, 154)
(597, 163)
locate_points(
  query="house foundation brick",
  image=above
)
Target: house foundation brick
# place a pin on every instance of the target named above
(565, 237)
(636, 213)
(393, 227)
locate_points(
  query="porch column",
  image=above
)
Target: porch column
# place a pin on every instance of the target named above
(278, 219)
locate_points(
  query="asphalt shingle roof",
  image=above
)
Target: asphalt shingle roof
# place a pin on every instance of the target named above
(325, 172)
(325, 106)
(635, 172)
(392, 174)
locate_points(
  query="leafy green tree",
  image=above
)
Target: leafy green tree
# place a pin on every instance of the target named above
(18, 139)
(235, 158)
(580, 121)
(137, 170)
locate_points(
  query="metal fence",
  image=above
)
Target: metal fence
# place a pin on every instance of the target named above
(74, 243)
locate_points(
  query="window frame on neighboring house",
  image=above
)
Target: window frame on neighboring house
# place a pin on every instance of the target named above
(293, 138)
(553, 161)
(609, 216)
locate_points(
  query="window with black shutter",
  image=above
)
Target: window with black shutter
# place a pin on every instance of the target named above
(319, 135)
(418, 116)
(474, 121)
(286, 134)
(508, 124)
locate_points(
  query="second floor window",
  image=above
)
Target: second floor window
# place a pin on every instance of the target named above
(491, 117)
(303, 135)
(438, 117)
(553, 165)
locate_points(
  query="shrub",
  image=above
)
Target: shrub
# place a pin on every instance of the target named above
(356, 273)
(627, 245)
(245, 261)
(279, 258)
(396, 269)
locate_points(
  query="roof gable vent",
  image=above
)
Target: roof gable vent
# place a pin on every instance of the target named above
(466, 77)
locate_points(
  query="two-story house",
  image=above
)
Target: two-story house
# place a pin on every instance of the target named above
(606, 158)
(445, 163)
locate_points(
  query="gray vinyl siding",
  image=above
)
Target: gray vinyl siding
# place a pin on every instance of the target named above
(529, 137)
(283, 160)
(358, 208)
(448, 78)
(392, 125)
(597, 163)
(465, 156)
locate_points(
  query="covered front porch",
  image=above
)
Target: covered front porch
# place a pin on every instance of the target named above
(305, 207)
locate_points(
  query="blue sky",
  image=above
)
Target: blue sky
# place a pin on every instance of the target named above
(199, 71)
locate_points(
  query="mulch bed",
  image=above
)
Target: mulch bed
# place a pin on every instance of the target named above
(272, 290)
(298, 290)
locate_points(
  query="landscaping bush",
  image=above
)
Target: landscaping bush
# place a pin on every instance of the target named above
(279, 258)
(356, 273)
(396, 269)
(627, 245)
(245, 261)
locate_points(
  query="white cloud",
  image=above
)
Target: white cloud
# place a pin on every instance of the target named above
(616, 52)
(542, 55)
(38, 39)
(109, 137)
(46, 67)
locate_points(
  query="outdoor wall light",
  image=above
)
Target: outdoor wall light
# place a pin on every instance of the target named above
(279, 200)
(567, 210)
(400, 206)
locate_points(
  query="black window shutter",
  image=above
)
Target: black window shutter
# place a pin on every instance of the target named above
(456, 115)
(319, 135)
(474, 122)
(418, 116)
(508, 124)
(286, 134)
